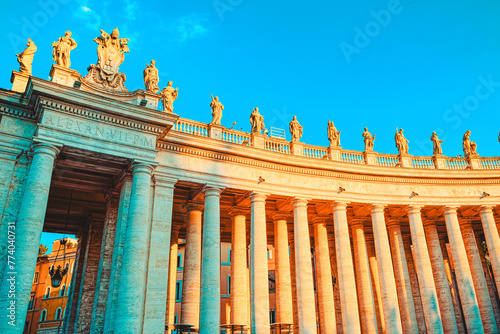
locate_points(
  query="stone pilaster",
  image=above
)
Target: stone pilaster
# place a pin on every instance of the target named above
(492, 241)
(284, 309)
(90, 271)
(106, 258)
(190, 307)
(28, 229)
(239, 279)
(439, 273)
(462, 270)
(476, 269)
(345, 269)
(259, 285)
(324, 277)
(423, 267)
(159, 254)
(210, 309)
(131, 289)
(405, 296)
(303, 268)
(172, 276)
(366, 301)
(121, 226)
(386, 272)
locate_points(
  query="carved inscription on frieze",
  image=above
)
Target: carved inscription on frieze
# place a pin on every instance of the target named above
(98, 130)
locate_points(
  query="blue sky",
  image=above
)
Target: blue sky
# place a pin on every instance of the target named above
(419, 65)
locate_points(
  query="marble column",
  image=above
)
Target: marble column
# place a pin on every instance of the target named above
(303, 268)
(172, 276)
(190, 307)
(284, 309)
(366, 300)
(476, 268)
(239, 279)
(372, 258)
(336, 290)
(440, 279)
(388, 290)
(324, 277)
(293, 278)
(423, 267)
(492, 241)
(131, 289)
(345, 270)
(28, 232)
(259, 284)
(159, 254)
(121, 226)
(210, 304)
(462, 270)
(106, 258)
(403, 283)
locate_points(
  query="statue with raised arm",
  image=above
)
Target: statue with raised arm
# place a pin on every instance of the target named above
(468, 145)
(333, 135)
(217, 108)
(369, 140)
(62, 49)
(295, 129)
(168, 96)
(401, 142)
(110, 53)
(436, 144)
(151, 78)
(25, 58)
(257, 121)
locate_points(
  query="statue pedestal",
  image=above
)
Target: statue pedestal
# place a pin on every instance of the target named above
(64, 76)
(439, 161)
(296, 148)
(371, 158)
(19, 81)
(405, 160)
(474, 161)
(334, 153)
(215, 131)
(258, 140)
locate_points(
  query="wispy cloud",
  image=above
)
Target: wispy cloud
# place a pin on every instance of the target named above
(89, 17)
(131, 9)
(188, 27)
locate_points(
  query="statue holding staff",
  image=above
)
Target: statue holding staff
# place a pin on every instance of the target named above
(217, 108)
(62, 49)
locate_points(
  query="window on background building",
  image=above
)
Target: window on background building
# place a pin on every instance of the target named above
(64, 312)
(269, 254)
(73, 267)
(35, 278)
(50, 268)
(58, 313)
(26, 327)
(47, 293)
(178, 291)
(67, 266)
(62, 290)
(176, 318)
(31, 303)
(272, 315)
(179, 261)
(229, 284)
(43, 315)
(228, 258)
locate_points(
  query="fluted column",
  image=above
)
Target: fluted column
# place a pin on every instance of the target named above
(131, 290)
(347, 282)
(210, 263)
(366, 299)
(492, 241)
(440, 279)
(303, 268)
(239, 279)
(259, 285)
(27, 232)
(462, 270)
(172, 275)
(386, 272)
(284, 309)
(476, 268)
(405, 296)
(423, 267)
(324, 277)
(190, 307)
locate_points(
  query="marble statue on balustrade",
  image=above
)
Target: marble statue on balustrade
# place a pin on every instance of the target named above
(151, 78)
(436, 144)
(401, 142)
(110, 53)
(333, 135)
(469, 146)
(62, 49)
(25, 58)
(217, 108)
(369, 140)
(168, 96)
(295, 129)
(257, 121)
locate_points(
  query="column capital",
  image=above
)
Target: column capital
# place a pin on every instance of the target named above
(377, 208)
(142, 167)
(212, 190)
(320, 219)
(449, 209)
(193, 205)
(339, 206)
(258, 197)
(393, 222)
(428, 222)
(238, 211)
(300, 201)
(280, 215)
(465, 221)
(46, 148)
(164, 181)
(413, 209)
(357, 222)
(486, 209)
(112, 194)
